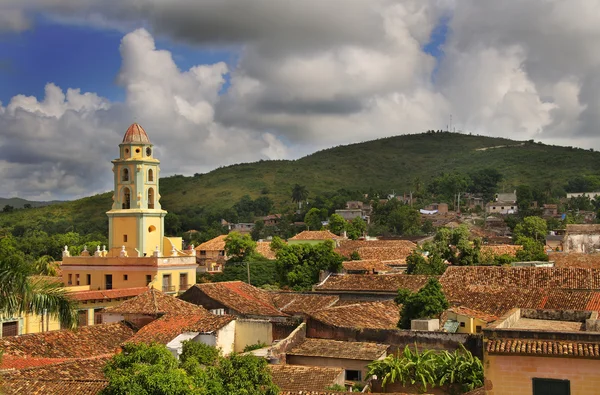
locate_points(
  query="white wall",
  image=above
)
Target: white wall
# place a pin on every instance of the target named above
(225, 338)
(175, 345)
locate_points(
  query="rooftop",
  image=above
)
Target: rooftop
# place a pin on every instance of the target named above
(382, 250)
(388, 283)
(108, 294)
(315, 235)
(216, 244)
(583, 229)
(297, 303)
(73, 369)
(239, 296)
(372, 315)
(136, 134)
(80, 343)
(264, 249)
(153, 302)
(548, 325)
(501, 249)
(467, 312)
(304, 378)
(575, 259)
(339, 349)
(368, 265)
(169, 326)
(16, 386)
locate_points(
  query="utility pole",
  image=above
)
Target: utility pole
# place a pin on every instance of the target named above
(458, 200)
(248, 269)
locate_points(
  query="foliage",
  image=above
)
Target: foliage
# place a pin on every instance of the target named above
(262, 272)
(356, 228)
(485, 182)
(531, 227)
(336, 387)
(337, 224)
(454, 246)
(312, 219)
(532, 250)
(460, 371)
(239, 247)
(428, 302)
(299, 193)
(354, 256)
(256, 346)
(298, 265)
(448, 185)
(431, 265)
(151, 369)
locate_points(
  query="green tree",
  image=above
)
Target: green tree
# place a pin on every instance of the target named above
(532, 250)
(531, 227)
(202, 353)
(312, 219)
(418, 264)
(428, 302)
(299, 194)
(485, 182)
(239, 247)
(337, 224)
(356, 228)
(405, 220)
(259, 227)
(46, 266)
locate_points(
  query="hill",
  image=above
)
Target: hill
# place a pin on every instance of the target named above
(383, 165)
(21, 203)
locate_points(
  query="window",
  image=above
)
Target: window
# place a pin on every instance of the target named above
(126, 203)
(97, 316)
(148, 279)
(183, 281)
(125, 174)
(148, 151)
(150, 175)
(124, 238)
(166, 283)
(89, 279)
(222, 253)
(124, 277)
(218, 311)
(512, 207)
(70, 282)
(151, 198)
(353, 375)
(551, 387)
(478, 328)
(462, 324)
(502, 207)
(77, 279)
(10, 328)
(108, 281)
(83, 317)
(137, 150)
(202, 252)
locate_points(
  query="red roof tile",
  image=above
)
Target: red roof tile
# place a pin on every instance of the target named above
(72, 369)
(316, 235)
(543, 348)
(304, 378)
(153, 302)
(108, 294)
(136, 134)
(59, 387)
(467, 312)
(22, 362)
(366, 265)
(297, 303)
(373, 283)
(339, 349)
(372, 315)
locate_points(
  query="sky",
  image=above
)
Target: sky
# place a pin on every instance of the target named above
(218, 82)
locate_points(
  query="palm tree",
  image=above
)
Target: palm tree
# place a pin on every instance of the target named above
(299, 194)
(22, 292)
(46, 266)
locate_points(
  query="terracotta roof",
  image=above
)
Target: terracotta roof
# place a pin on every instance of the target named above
(465, 311)
(347, 247)
(153, 302)
(108, 294)
(543, 347)
(80, 343)
(136, 134)
(241, 297)
(316, 235)
(59, 387)
(339, 349)
(583, 229)
(264, 249)
(216, 244)
(304, 378)
(73, 369)
(373, 282)
(297, 303)
(575, 259)
(373, 315)
(22, 362)
(501, 249)
(368, 265)
(169, 326)
(384, 253)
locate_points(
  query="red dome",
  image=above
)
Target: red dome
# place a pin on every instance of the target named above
(136, 134)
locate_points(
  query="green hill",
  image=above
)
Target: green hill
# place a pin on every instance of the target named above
(21, 203)
(383, 165)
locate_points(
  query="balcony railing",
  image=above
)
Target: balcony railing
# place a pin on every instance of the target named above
(184, 287)
(168, 288)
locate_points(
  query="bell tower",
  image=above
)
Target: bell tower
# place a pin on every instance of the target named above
(136, 219)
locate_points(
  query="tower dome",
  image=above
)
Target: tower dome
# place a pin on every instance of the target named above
(136, 134)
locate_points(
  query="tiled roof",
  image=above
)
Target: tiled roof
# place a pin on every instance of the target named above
(22, 362)
(77, 369)
(583, 229)
(500, 249)
(373, 315)
(153, 302)
(216, 244)
(543, 347)
(297, 303)
(373, 282)
(465, 311)
(241, 297)
(384, 253)
(574, 259)
(347, 247)
(369, 265)
(339, 349)
(315, 235)
(304, 378)
(136, 134)
(169, 326)
(80, 343)
(264, 249)
(108, 294)
(59, 387)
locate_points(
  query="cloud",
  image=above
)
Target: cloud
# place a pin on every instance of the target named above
(308, 75)
(13, 20)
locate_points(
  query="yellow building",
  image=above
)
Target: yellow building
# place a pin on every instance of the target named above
(460, 319)
(138, 255)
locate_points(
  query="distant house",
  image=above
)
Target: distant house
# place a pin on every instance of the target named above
(242, 227)
(555, 241)
(210, 255)
(501, 207)
(550, 210)
(507, 197)
(271, 220)
(314, 237)
(461, 319)
(350, 214)
(437, 208)
(591, 195)
(582, 238)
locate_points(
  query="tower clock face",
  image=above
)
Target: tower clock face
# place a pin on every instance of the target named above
(148, 151)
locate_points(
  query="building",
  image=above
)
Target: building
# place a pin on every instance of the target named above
(461, 319)
(271, 219)
(314, 237)
(501, 207)
(582, 238)
(305, 379)
(591, 195)
(365, 266)
(540, 352)
(242, 227)
(550, 210)
(210, 255)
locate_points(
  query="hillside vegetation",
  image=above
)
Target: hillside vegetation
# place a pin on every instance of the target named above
(395, 163)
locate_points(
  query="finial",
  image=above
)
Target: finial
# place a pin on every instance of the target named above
(85, 247)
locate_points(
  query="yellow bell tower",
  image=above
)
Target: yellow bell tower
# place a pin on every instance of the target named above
(136, 219)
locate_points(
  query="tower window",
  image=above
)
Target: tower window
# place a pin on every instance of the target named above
(151, 228)
(150, 175)
(151, 198)
(124, 238)
(126, 198)
(125, 175)
(137, 150)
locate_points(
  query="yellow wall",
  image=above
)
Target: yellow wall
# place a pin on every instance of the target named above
(249, 332)
(124, 226)
(509, 375)
(154, 237)
(470, 322)
(136, 276)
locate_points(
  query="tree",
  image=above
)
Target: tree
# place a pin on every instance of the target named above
(200, 352)
(356, 228)
(405, 220)
(418, 264)
(299, 194)
(454, 246)
(46, 266)
(532, 250)
(428, 302)
(312, 219)
(239, 247)
(531, 227)
(258, 229)
(337, 224)
(485, 182)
